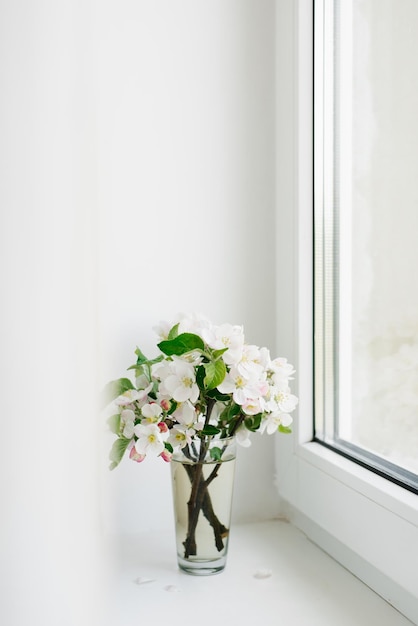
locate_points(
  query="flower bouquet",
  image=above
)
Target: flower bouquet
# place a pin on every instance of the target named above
(206, 389)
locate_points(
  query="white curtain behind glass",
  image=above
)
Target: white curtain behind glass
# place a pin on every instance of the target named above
(385, 229)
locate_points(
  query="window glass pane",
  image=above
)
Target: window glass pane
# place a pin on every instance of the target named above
(366, 228)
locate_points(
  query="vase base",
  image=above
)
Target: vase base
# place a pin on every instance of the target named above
(202, 567)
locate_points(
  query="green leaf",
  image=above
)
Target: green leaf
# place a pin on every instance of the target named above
(117, 451)
(217, 353)
(200, 377)
(230, 412)
(173, 332)
(141, 357)
(210, 430)
(186, 342)
(172, 408)
(253, 422)
(168, 446)
(284, 429)
(215, 453)
(115, 388)
(215, 373)
(217, 395)
(114, 423)
(139, 367)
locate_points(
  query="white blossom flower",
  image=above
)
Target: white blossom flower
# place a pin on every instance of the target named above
(252, 407)
(160, 371)
(129, 397)
(151, 413)
(149, 439)
(242, 436)
(187, 323)
(272, 421)
(282, 401)
(265, 358)
(143, 384)
(226, 336)
(127, 419)
(242, 388)
(195, 323)
(282, 370)
(180, 383)
(181, 436)
(185, 414)
(162, 329)
(250, 362)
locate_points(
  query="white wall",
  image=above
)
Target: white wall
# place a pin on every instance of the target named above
(137, 179)
(187, 204)
(49, 489)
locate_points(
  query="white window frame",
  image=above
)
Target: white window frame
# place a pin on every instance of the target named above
(367, 523)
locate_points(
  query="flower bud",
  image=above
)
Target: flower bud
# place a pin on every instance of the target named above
(135, 456)
(166, 456)
(165, 405)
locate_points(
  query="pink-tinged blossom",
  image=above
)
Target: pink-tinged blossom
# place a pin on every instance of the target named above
(165, 404)
(166, 456)
(163, 427)
(263, 387)
(135, 456)
(252, 407)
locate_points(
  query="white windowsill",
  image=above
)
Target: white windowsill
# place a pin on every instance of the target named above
(389, 495)
(306, 586)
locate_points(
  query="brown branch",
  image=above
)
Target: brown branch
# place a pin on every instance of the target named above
(199, 497)
(220, 531)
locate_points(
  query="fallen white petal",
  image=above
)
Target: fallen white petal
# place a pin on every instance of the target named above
(262, 573)
(141, 580)
(171, 588)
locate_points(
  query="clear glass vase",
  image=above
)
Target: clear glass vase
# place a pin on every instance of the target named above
(202, 482)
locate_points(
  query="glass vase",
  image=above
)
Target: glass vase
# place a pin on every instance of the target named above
(202, 482)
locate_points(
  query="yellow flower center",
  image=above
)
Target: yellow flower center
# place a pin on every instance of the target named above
(187, 382)
(239, 382)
